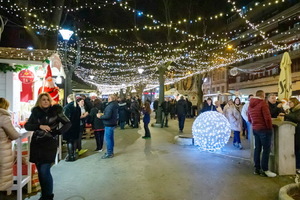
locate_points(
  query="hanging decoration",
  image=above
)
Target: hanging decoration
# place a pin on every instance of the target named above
(4, 67)
(49, 85)
(26, 76)
(233, 71)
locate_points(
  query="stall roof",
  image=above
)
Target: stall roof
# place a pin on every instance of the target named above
(24, 56)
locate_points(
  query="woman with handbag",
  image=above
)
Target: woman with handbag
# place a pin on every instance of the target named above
(44, 122)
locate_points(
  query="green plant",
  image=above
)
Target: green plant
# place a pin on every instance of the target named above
(4, 67)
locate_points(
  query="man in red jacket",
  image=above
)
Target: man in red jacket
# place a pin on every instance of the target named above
(260, 118)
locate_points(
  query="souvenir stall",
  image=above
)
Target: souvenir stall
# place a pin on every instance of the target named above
(20, 83)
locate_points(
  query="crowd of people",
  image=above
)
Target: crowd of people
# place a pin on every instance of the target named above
(253, 118)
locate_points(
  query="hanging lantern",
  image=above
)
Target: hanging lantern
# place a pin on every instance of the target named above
(26, 76)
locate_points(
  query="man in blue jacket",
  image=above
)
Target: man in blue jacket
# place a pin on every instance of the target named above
(110, 121)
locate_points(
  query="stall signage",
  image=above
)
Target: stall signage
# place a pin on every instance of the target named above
(26, 76)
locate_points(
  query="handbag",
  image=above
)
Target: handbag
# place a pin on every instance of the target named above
(42, 135)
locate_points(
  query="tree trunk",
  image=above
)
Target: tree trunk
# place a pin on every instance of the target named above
(161, 72)
(56, 19)
(140, 88)
(200, 91)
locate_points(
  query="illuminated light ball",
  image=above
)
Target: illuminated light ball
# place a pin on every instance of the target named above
(211, 131)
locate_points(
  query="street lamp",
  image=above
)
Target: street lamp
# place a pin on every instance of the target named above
(66, 35)
(140, 70)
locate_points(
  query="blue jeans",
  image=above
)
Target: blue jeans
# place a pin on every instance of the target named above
(249, 130)
(45, 178)
(147, 131)
(181, 119)
(236, 137)
(262, 142)
(109, 139)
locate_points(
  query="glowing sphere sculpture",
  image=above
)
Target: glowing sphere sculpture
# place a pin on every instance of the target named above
(211, 131)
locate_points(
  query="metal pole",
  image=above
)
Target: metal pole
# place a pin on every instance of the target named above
(66, 67)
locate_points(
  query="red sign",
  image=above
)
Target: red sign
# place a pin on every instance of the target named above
(26, 76)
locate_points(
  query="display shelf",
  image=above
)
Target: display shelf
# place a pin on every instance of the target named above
(22, 180)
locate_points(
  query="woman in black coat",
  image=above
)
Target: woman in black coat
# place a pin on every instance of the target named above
(97, 124)
(44, 121)
(123, 110)
(294, 116)
(73, 112)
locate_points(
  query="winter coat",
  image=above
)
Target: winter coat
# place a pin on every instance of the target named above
(259, 114)
(234, 117)
(181, 107)
(274, 110)
(189, 105)
(173, 107)
(155, 104)
(206, 107)
(166, 107)
(88, 105)
(73, 113)
(123, 112)
(294, 116)
(43, 150)
(7, 134)
(135, 107)
(146, 118)
(110, 117)
(95, 121)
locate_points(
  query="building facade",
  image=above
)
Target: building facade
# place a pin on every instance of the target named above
(281, 27)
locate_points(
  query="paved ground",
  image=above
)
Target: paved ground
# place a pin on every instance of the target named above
(158, 169)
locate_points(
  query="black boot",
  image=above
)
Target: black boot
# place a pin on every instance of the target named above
(71, 153)
(50, 197)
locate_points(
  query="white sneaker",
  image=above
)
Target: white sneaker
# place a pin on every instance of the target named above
(269, 174)
(298, 171)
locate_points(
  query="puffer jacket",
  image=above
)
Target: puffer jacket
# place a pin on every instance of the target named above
(234, 117)
(43, 150)
(7, 134)
(259, 114)
(110, 117)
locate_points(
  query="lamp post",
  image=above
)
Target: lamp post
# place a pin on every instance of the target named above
(66, 35)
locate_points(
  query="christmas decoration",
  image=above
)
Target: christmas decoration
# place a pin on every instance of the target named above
(15, 68)
(49, 85)
(211, 131)
(26, 76)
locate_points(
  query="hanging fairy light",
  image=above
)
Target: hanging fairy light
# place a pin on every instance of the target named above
(211, 131)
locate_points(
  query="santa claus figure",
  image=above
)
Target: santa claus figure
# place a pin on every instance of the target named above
(49, 86)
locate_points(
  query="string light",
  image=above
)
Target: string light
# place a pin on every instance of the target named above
(118, 64)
